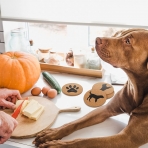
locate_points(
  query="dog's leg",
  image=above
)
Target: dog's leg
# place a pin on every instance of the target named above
(96, 116)
(132, 136)
(119, 103)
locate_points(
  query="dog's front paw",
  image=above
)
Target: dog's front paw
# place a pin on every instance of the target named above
(57, 144)
(48, 135)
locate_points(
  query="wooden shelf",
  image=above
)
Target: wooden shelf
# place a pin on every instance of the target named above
(72, 70)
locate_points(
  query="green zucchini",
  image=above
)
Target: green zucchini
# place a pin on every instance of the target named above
(52, 81)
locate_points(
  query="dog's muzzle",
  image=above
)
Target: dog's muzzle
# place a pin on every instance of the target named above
(102, 42)
(101, 47)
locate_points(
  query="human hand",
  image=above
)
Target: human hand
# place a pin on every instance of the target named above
(7, 126)
(8, 98)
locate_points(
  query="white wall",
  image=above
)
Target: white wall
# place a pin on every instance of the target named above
(95, 12)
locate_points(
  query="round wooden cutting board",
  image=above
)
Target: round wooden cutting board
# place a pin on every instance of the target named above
(28, 128)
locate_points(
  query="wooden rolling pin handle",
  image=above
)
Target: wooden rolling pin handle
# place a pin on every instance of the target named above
(71, 109)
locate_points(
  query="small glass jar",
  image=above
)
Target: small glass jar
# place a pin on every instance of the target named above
(93, 60)
(43, 54)
(79, 59)
(18, 42)
(33, 50)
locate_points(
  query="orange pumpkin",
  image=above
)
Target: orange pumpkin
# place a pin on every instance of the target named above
(18, 70)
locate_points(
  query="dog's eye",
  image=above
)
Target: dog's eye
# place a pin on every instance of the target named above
(128, 41)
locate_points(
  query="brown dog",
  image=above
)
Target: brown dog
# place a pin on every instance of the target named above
(128, 51)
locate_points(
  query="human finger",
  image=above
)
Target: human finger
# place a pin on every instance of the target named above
(16, 93)
(5, 136)
(13, 99)
(7, 125)
(15, 123)
(8, 104)
(3, 139)
(8, 99)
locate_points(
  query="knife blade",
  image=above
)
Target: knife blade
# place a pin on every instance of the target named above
(18, 109)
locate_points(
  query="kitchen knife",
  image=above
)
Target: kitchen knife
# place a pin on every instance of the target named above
(18, 109)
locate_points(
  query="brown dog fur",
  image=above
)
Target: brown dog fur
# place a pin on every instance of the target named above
(128, 51)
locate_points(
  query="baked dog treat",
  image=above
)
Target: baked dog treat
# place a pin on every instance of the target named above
(72, 89)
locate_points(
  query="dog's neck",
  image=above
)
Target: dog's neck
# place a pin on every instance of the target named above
(138, 82)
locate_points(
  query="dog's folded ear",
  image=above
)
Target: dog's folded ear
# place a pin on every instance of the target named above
(126, 31)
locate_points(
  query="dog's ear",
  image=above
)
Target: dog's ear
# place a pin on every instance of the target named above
(118, 33)
(124, 32)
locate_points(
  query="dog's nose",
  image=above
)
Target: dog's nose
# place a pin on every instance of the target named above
(101, 41)
(98, 41)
